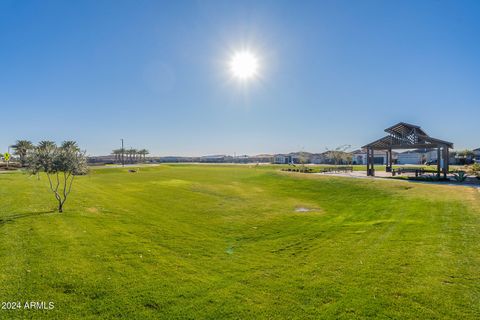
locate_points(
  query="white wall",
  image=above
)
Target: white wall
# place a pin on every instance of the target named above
(409, 158)
(362, 157)
(416, 157)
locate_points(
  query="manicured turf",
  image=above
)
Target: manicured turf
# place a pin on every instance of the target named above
(222, 242)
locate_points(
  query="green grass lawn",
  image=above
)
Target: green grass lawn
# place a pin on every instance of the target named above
(216, 242)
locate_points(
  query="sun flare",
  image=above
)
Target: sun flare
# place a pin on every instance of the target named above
(244, 65)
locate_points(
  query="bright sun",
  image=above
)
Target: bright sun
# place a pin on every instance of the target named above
(244, 65)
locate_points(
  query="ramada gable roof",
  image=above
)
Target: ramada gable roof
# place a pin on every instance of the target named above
(403, 128)
(407, 136)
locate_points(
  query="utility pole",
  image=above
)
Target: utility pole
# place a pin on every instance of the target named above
(123, 155)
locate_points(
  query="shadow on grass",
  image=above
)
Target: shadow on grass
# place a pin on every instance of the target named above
(14, 217)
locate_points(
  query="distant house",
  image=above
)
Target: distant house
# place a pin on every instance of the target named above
(174, 159)
(464, 157)
(476, 152)
(101, 159)
(241, 159)
(214, 159)
(417, 156)
(282, 159)
(304, 157)
(262, 158)
(379, 157)
(294, 158)
(320, 158)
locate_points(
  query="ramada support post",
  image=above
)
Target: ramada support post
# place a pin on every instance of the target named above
(389, 161)
(445, 161)
(370, 162)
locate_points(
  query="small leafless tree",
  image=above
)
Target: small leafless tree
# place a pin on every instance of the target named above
(61, 164)
(303, 158)
(339, 155)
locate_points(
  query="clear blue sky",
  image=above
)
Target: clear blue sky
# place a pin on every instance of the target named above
(154, 73)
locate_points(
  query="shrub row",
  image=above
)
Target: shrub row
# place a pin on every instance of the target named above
(303, 170)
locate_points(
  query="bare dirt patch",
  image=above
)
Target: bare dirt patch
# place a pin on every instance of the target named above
(306, 209)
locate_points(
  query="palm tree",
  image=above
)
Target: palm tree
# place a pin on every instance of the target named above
(131, 154)
(122, 155)
(118, 154)
(71, 145)
(143, 153)
(128, 155)
(45, 144)
(21, 149)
